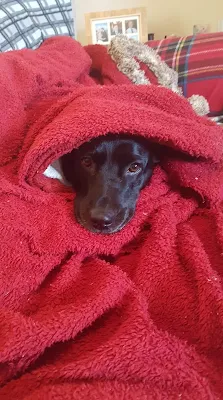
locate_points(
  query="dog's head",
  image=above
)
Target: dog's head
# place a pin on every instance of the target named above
(107, 175)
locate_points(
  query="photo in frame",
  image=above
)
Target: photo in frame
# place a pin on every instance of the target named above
(199, 29)
(102, 27)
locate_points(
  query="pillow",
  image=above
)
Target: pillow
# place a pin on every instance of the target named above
(198, 60)
(26, 23)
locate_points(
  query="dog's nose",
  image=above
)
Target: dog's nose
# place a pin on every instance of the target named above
(100, 219)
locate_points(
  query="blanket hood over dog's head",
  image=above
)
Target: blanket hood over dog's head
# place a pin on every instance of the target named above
(154, 112)
(71, 317)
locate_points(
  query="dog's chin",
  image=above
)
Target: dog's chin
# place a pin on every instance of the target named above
(111, 229)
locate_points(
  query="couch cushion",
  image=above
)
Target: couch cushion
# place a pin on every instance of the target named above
(199, 63)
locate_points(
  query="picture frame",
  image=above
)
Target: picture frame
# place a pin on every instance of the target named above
(199, 29)
(101, 27)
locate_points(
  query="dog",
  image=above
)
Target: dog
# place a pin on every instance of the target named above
(107, 174)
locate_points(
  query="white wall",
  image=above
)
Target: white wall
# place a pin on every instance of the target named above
(164, 17)
(83, 7)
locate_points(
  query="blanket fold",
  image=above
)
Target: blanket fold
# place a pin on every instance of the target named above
(148, 323)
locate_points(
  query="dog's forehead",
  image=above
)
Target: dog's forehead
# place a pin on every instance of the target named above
(116, 147)
(128, 146)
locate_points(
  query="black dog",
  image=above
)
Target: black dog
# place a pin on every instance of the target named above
(107, 175)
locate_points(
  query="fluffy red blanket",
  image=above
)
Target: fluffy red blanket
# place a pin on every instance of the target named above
(149, 323)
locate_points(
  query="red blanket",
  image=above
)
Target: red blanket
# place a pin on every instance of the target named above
(148, 324)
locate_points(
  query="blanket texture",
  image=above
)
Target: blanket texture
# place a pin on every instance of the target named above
(134, 315)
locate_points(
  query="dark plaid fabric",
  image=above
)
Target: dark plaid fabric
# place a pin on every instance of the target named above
(199, 63)
(26, 23)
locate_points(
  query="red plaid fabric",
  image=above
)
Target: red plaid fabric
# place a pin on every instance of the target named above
(199, 63)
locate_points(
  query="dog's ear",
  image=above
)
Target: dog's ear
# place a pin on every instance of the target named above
(67, 162)
(153, 148)
(156, 159)
(157, 151)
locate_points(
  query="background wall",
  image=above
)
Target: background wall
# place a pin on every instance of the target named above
(164, 17)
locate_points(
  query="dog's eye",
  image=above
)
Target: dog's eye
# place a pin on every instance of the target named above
(135, 167)
(87, 161)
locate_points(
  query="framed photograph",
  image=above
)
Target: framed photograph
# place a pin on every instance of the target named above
(131, 26)
(102, 27)
(100, 32)
(116, 28)
(198, 29)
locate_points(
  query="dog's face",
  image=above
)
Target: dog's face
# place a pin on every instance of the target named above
(107, 175)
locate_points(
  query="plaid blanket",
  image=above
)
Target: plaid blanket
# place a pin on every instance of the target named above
(26, 23)
(198, 61)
